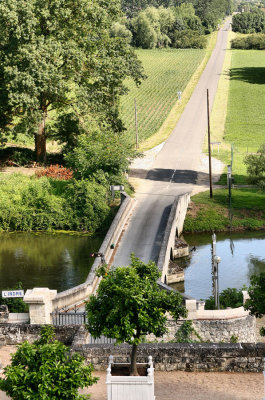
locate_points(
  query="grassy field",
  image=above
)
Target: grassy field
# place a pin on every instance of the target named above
(207, 214)
(244, 123)
(168, 71)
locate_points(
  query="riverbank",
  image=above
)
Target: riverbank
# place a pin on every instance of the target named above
(207, 215)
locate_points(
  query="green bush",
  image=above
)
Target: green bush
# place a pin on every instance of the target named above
(256, 167)
(230, 297)
(189, 39)
(100, 150)
(45, 204)
(254, 41)
(46, 369)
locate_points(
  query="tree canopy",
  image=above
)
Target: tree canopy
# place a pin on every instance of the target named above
(45, 370)
(249, 22)
(256, 302)
(129, 304)
(57, 55)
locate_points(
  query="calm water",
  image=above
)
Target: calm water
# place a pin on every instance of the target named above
(57, 261)
(242, 254)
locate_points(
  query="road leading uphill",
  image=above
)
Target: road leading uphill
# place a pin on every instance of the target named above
(175, 169)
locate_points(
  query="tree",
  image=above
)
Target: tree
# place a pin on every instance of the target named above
(129, 305)
(59, 54)
(249, 22)
(256, 303)
(45, 370)
(256, 167)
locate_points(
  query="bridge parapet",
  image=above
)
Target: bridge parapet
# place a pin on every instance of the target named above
(173, 229)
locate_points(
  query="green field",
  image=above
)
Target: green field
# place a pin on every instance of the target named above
(168, 71)
(245, 122)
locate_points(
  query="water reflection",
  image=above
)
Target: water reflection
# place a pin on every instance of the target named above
(242, 255)
(58, 261)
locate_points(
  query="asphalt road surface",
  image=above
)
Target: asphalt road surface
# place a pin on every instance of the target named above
(175, 168)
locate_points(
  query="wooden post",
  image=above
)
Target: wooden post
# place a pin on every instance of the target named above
(136, 125)
(209, 146)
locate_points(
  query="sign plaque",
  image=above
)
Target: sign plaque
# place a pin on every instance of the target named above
(12, 293)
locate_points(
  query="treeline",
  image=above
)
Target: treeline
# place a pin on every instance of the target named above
(204, 8)
(178, 24)
(249, 22)
(247, 6)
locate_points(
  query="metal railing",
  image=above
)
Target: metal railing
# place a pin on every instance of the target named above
(60, 318)
(68, 318)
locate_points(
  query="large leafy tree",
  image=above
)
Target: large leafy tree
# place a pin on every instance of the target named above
(45, 370)
(129, 304)
(57, 54)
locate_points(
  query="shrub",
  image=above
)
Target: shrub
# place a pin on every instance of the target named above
(87, 205)
(56, 172)
(230, 297)
(45, 370)
(189, 39)
(256, 167)
(254, 41)
(100, 150)
(45, 204)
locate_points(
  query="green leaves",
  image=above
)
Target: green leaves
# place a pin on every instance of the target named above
(60, 54)
(129, 304)
(45, 204)
(256, 303)
(45, 370)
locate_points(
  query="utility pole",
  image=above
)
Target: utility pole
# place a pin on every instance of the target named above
(209, 146)
(136, 125)
(217, 260)
(229, 181)
(213, 251)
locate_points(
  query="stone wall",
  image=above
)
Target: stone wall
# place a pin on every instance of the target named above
(174, 228)
(215, 331)
(241, 329)
(209, 357)
(12, 334)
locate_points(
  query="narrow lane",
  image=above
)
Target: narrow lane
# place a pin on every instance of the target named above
(174, 170)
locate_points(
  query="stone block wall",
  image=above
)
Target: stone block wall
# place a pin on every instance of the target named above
(241, 329)
(12, 334)
(208, 357)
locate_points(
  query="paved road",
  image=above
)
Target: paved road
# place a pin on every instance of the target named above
(174, 170)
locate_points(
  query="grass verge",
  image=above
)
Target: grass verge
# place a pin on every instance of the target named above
(207, 215)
